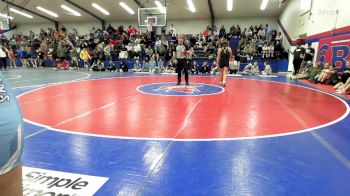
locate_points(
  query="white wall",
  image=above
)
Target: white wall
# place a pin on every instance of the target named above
(246, 22)
(193, 26)
(126, 24)
(322, 18)
(35, 27)
(196, 26)
(82, 27)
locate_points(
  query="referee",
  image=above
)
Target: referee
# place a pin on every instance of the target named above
(180, 54)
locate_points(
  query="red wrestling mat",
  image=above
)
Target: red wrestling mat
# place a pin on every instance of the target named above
(115, 107)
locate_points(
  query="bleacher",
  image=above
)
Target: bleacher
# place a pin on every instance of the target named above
(280, 65)
(276, 64)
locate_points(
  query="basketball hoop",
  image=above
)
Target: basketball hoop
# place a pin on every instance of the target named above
(151, 16)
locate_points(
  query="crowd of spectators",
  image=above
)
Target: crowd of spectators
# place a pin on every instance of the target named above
(254, 42)
(99, 49)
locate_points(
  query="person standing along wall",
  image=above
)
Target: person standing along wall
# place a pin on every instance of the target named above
(309, 56)
(298, 53)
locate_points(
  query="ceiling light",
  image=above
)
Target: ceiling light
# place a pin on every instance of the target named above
(161, 8)
(126, 7)
(264, 4)
(51, 13)
(6, 16)
(229, 5)
(70, 10)
(99, 8)
(191, 6)
(21, 13)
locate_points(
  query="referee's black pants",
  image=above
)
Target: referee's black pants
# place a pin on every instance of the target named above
(296, 64)
(182, 65)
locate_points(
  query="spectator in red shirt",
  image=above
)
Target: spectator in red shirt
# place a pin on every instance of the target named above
(130, 30)
(113, 42)
(206, 32)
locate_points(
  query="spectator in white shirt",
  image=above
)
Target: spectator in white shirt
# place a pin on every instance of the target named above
(271, 50)
(216, 31)
(158, 42)
(261, 33)
(130, 50)
(107, 51)
(268, 69)
(265, 51)
(279, 37)
(172, 30)
(137, 50)
(249, 33)
(234, 67)
(93, 30)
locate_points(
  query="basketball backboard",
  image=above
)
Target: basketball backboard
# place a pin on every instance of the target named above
(154, 16)
(4, 23)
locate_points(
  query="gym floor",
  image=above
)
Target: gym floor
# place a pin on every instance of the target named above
(257, 136)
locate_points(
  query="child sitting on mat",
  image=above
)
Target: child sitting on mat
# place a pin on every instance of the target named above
(268, 69)
(255, 69)
(64, 65)
(137, 66)
(247, 69)
(111, 66)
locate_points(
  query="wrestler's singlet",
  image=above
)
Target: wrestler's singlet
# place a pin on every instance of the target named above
(11, 139)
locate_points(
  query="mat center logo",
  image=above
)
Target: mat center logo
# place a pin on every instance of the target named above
(171, 89)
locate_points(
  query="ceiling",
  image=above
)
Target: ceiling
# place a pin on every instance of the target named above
(177, 9)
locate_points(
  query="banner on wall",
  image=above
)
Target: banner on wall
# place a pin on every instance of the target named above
(335, 50)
